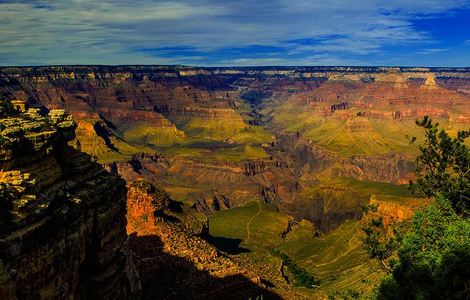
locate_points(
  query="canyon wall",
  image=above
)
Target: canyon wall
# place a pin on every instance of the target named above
(216, 138)
(63, 217)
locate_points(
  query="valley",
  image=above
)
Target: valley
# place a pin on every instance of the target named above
(267, 160)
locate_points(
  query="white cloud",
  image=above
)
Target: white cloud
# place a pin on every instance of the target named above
(432, 51)
(115, 32)
(314, 60)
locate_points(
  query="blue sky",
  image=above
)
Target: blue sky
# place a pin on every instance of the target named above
(236, 33)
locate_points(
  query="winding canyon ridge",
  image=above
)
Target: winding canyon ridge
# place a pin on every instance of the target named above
(225, 169)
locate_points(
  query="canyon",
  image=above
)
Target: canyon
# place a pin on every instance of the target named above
(229, 135)
(295, 150)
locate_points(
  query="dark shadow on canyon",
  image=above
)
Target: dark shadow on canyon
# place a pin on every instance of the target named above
(228, 245)
(175, 206)
(164, 276)
(102, 133)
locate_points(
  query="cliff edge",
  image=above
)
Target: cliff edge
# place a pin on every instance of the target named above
(62, 216)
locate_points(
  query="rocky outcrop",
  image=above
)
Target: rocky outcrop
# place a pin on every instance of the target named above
(62, 224)
(148, 92)
(253, 168)
(340, 106)
(387, 168)
(145, 202)
(307, 157)
(212, 202)
(390, 212)
(394, 212)
(176, 263)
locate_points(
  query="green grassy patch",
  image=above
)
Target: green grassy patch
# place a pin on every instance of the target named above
(257, 224)
(369, 188)
(114, 149)
(301, 276)
(253, 135)
(228, 153)
(336, 259)
(350, 135)
(216, 124)
(148, 134)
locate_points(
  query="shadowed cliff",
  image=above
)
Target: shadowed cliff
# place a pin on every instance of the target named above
(166, 276)
(62, 225)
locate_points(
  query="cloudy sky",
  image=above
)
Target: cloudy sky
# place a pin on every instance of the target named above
(240, 32)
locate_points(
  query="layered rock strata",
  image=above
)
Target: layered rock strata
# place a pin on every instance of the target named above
(62, 224)
(305, 124)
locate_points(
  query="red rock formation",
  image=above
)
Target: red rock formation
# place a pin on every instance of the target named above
(144, 201)
(395, 212)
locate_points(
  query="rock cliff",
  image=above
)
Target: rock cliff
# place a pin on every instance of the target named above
(63, 217)
(395, 212)
(175, 262)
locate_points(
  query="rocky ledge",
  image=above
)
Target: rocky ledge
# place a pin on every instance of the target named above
(175, 259)
(62, 216)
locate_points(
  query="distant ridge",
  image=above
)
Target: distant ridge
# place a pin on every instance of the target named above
(343, 69)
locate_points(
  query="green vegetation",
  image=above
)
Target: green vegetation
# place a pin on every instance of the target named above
(159, 136)
(222, 135)
(227, 152)
(239, 153)
(368, 188)
(379, 244)
(301, 276)
(349, 294)
(253, 135)
(182, 193)
(216, 134)
(103, 145)
(431, 250)
(443, 166)
(354, 135)
(257, 224)
(337, 259)
(429, 255)
(433, 258)
(216, 124)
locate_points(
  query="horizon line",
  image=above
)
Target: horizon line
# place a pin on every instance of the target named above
(232, 66)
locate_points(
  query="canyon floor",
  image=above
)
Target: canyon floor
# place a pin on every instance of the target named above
(252, 163)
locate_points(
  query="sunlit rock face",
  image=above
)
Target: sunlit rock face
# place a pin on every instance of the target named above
(62, 224)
